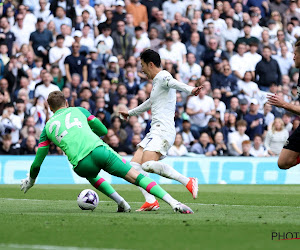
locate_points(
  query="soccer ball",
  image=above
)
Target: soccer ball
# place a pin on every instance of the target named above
(88, 199)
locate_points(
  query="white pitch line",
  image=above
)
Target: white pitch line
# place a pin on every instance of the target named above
(138, 202)
(48, 247)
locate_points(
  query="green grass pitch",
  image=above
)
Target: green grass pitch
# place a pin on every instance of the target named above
(226, 217)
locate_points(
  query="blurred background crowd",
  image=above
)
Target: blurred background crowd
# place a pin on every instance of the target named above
(240, 50)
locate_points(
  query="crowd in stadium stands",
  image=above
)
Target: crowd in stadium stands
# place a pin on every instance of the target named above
(239, 50)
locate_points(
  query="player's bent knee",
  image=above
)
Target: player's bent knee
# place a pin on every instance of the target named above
(148, 166)
(284, 164)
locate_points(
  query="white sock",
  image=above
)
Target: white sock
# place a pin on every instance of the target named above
(148, 197)
(170, 200)
(165, 171)
(116, 197)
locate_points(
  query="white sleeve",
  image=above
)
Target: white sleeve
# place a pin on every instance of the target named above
(52, 57)
(140, 109)
(172, 83)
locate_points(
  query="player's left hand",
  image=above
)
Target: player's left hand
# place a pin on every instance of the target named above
(26, 184)
(196, 90)
(275, 100)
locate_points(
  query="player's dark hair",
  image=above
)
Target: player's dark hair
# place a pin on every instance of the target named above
(150, 55)
(56, 100)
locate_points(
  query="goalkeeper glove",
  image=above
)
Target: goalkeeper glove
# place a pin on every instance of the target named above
(27, 183)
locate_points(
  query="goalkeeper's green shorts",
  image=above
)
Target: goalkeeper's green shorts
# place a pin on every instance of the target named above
(102, 157)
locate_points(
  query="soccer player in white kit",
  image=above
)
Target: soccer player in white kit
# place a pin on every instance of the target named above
(162, 134)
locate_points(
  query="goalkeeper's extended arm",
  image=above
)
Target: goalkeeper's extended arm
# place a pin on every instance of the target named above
(96, 125)
(39, 158)
(41, 153)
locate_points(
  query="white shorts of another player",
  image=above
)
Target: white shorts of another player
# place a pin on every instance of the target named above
(158, 141)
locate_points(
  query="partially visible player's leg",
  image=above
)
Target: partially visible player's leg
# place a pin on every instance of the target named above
(103, 186)
(119, 167)
(152, 165)
(288, 159)
(88, 169)
(289, 155)
(151, 203)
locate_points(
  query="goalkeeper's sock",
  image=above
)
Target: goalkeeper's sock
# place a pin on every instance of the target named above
(104, 187)
(165, 171)
(148, 197)
(152, 187)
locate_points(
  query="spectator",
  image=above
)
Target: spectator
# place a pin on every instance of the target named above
(246, 146)
(6, 35)
(284, 61)
(46, 87)
(189, 69)
(6, 147)
(178, 149)
(106, 38)
(58, 54)
(76, 63)
(84, 6)
(187, 136)
(116, 126)
(229, 33)
(200, 109)
(10, 123)
(211, 128)
(120, 12)
(162, 27)
(139, 12)
(193, 46)
(61, 18)
(267, 71)
(168, 53)
(140, 42)
(212, 52)
(21, 32)
(228, 85)
(276, 137)
(29, 146)
(239, 63)
(114, 143)
(254, 120)
(155, 42)
(170, 8)
(122, 41)
(258, 149)
(268, 115)
(220, 146)
(203, 146)
(247, 38)
(236, 138)
(41, 40)
(247, 88)
(67, 5)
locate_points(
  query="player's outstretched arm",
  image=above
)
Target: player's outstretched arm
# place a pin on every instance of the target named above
(41, 153)
(279, 102)
(136, 111)
(174, 84)
(94, 123)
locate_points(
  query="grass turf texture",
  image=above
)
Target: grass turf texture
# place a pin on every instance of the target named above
(243, 217)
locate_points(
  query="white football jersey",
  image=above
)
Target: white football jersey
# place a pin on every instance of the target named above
(162, 102)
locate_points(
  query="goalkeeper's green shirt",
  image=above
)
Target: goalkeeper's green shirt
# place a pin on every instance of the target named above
(68, 128)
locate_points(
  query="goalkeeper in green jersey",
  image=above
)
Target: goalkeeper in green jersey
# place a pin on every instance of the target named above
(77, 133)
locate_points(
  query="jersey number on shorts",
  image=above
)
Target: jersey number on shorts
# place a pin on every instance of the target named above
(149, 141)
(68, 126)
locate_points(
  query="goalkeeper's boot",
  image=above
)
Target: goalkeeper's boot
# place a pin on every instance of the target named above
(149, 207)
(123, 207)
(192, 186)
(181, 208)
